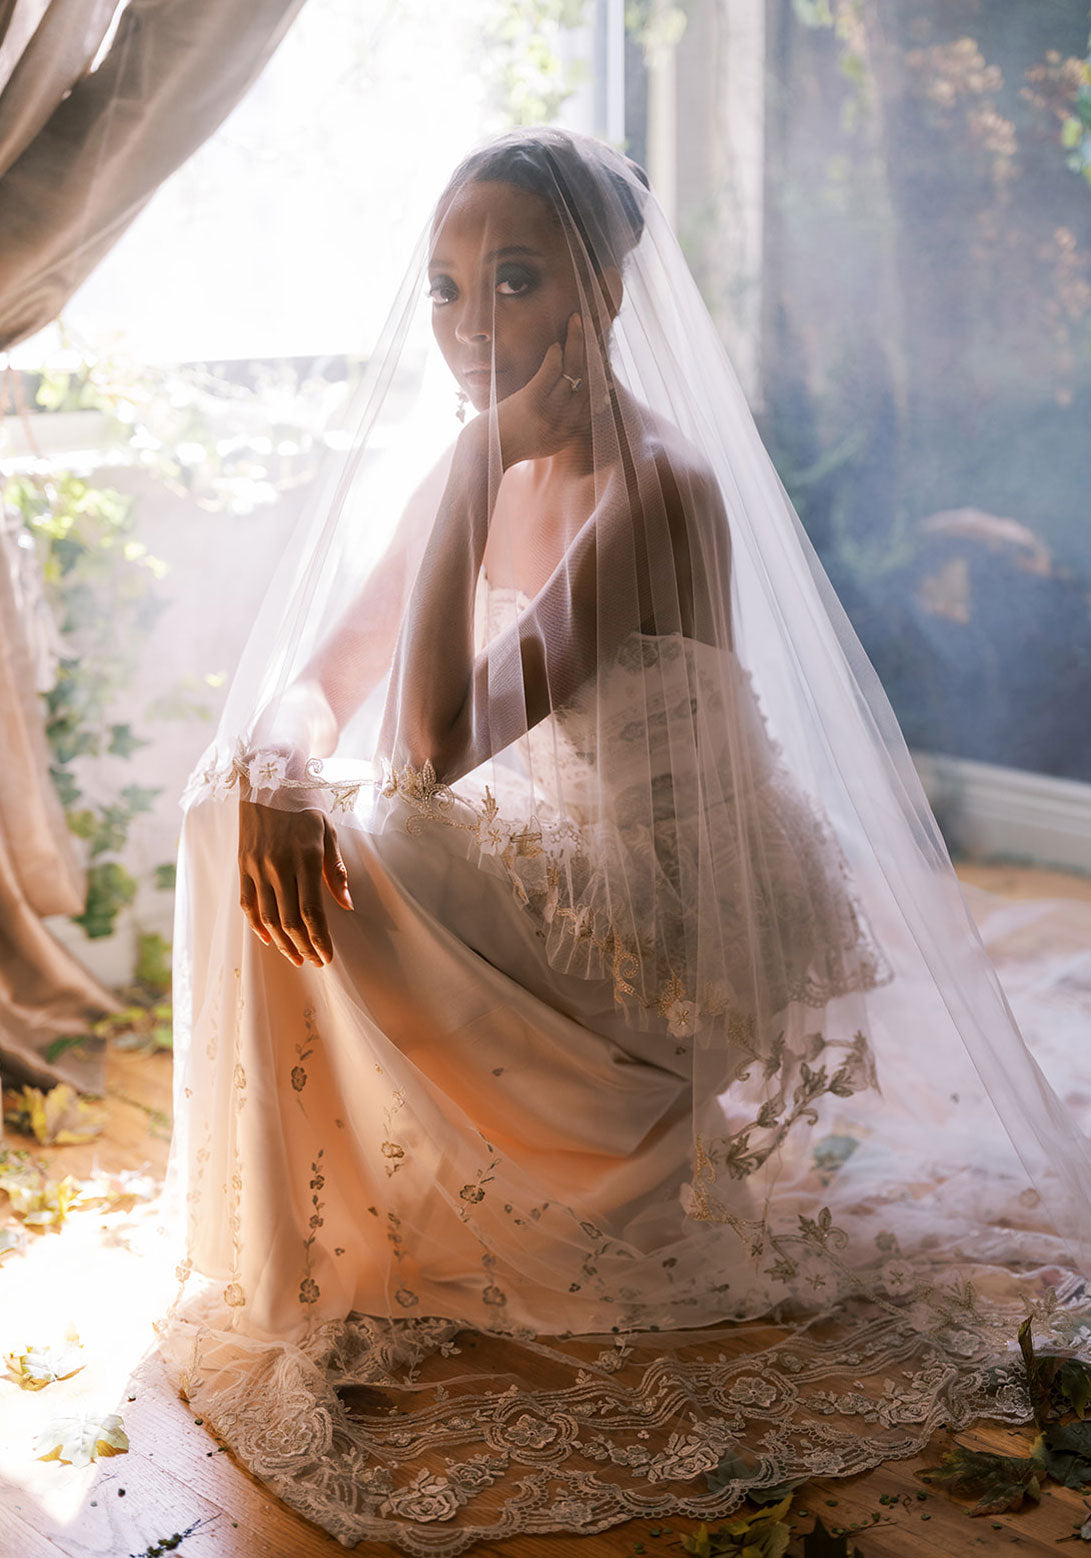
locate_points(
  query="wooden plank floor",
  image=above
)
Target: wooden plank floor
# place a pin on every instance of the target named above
(174, 1480)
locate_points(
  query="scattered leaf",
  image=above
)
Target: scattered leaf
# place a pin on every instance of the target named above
(1057, 1383)
(11, 1239)
(821, 1543)
(1063, 1451)
(761, 1535)
(82, 1439)
(998, 1482)
(56, 1118)
(45, 1205)
(37, 1367)
(110, 1192)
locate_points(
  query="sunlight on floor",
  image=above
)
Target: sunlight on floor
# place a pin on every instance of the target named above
(107, 1275)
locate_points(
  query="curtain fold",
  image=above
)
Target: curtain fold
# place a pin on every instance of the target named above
(78, 170)
(90, 125)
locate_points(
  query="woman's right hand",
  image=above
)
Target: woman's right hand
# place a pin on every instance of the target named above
(284, 857)
(551, 409)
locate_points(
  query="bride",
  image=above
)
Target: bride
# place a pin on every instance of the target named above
(593, 1099)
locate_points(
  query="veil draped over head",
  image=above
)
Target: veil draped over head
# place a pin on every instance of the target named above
(659, 1128)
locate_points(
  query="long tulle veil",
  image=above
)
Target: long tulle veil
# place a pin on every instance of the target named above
(633, 771)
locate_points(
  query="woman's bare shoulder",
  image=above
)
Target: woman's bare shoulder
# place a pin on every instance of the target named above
(662, 448)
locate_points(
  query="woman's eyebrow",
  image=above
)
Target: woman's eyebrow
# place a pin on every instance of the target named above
(435, 263)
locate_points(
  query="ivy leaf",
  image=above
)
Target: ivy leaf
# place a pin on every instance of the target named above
(109, 889)
(56, 1118)
(165, 876)
(1057, 1383)
(82, 1439)
(153, 966)
(998, 1482)
(122, 742)
(1063, 1451)
(820, 1543)
(36, 1367)
(140, 797)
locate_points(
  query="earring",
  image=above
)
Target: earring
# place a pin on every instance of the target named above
(462, 400)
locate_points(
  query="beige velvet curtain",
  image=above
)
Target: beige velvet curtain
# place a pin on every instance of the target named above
(99, 102)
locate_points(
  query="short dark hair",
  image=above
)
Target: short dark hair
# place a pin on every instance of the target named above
(590, 187)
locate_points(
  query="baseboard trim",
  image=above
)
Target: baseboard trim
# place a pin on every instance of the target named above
(989, 813)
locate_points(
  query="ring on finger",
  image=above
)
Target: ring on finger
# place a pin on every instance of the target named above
(577, 384)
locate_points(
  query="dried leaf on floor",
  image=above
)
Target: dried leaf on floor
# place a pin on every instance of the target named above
(11, 1239)
(36, 1367)
(821, 1543)
(998, 1482)
(82, 1439)
(56, 1118)
(762, 1535)
(45, 1205)
(1063, 1450)
(112, 1192)
(1057, 1383)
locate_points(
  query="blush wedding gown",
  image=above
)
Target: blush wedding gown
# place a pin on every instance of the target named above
(659, 1129)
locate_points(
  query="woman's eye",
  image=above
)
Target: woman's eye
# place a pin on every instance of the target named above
(512, 281)
(442, 290)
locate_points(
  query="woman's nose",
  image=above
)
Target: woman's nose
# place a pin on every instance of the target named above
(475, 323)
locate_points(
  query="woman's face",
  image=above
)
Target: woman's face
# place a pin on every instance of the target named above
(502, 285)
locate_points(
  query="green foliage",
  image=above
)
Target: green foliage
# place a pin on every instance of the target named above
(195, 434)
(165, 876)
(1076, 127)
(110, 888)
(527, 77)
(762, 1535)
(1063, 1451)
(657, 29)
(1057, 1383)
(153, 962)
(101, 584)
(997, 1482)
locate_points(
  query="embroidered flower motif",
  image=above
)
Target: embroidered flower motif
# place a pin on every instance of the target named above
(406, 1298)
(392, 1149)
(427, 1498)
(309, 1291)
(530, 1438)
(298, 1434)
(234, 1296)
(682, 1019)
(266, 770)
(531, 1432)
(239, 1078)
(474, 1474)
(898, 1278)
(684, 1457)
(299, 1078)
(753, 1390)
(472, 1193)
(493, 1295)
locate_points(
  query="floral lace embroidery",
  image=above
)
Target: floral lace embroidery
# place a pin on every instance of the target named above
(440, 1456)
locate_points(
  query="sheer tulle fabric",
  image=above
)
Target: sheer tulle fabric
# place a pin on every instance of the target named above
(659, 1128)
